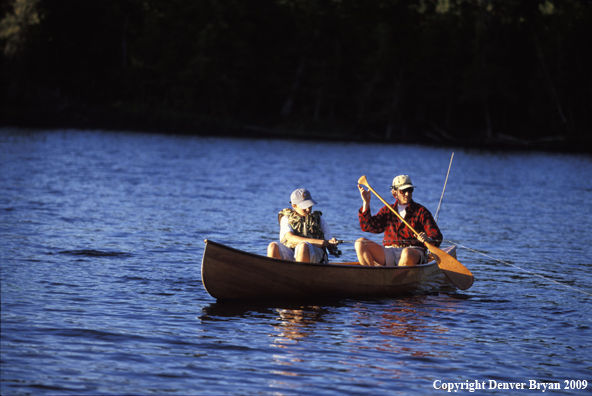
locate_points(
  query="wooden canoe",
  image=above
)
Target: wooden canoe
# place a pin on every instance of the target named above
(229, 273)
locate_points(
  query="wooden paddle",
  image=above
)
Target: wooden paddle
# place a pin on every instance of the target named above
(458, 274)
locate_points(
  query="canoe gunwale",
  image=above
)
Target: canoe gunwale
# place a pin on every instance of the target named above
(350, 264)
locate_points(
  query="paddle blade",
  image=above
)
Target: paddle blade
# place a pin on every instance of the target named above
(458, 274)
(362, 180)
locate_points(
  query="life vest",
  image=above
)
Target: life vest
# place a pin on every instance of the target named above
(306, 227)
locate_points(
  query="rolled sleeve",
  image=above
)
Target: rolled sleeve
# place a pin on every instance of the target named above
(374, 224)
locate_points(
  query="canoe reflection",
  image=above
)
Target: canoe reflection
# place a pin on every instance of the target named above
(295, 324)
(410, 318)
(415, 325)
(261, 307)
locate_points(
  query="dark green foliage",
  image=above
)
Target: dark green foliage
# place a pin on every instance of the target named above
(459, 70)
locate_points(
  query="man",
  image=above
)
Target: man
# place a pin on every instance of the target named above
(400, 246)
(304, 236)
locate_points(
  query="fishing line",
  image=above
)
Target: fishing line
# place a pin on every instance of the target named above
(515, 266)
(493, 258)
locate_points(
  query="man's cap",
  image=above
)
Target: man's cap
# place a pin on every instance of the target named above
(302, 198)
(402, 182)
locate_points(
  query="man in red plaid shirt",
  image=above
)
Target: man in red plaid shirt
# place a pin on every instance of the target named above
(401, 247)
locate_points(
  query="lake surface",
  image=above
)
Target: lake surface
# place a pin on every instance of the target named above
(101, 239)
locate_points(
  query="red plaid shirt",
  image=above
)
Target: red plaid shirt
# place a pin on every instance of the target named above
(395, 231)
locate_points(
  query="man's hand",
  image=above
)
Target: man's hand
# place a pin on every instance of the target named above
(365, 194)
(423, 237)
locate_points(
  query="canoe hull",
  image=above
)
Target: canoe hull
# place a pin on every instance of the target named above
(229, 273)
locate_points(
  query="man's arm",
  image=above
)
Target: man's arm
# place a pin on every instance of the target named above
(432, 231)
(366, 196)
(375, 224)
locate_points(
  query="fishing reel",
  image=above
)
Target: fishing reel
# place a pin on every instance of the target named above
(334, 250)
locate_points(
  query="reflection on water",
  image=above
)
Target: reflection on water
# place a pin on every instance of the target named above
(407, 326)
(294, 324)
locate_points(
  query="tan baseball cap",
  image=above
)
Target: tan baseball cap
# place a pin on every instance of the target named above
(402, 182)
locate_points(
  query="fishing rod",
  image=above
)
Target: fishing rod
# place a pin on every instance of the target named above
(446, 182)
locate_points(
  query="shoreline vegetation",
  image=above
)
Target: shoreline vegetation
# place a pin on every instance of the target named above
(232, 129)
(477, 73)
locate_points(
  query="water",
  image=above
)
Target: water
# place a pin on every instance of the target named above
(101, 242)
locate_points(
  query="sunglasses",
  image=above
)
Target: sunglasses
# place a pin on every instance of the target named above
(407, 190)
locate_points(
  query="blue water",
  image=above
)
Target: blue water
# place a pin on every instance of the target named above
(101, 238)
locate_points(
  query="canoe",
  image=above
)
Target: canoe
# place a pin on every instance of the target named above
(228, 274)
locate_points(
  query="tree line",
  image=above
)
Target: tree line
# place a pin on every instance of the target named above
(470, 71)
